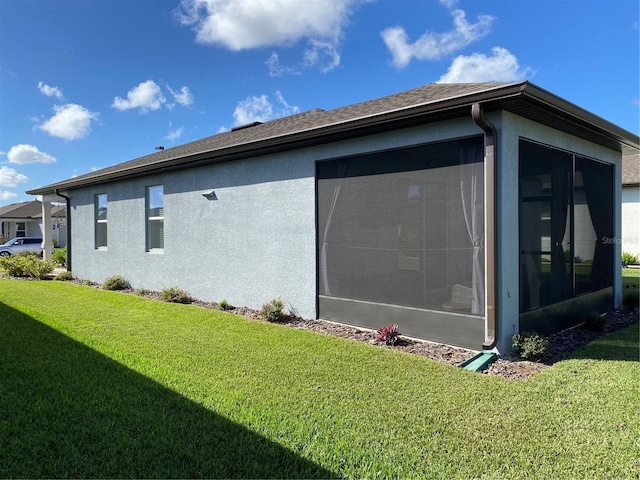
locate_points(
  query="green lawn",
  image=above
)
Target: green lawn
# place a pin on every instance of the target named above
(630, 276)
(104, 384)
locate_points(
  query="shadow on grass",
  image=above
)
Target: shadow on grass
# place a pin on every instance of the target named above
(67, 411)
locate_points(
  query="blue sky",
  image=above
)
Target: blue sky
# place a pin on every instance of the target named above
(85, 84)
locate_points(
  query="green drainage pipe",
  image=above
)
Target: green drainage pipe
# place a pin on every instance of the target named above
(478, 362)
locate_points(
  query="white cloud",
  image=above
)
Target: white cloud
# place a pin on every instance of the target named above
(10, 178)
(146, 96)
(253, 109)
(50, 91)
(433, 46)
(277, 69)
(4, 195)
(246, 24)
(70, 122)
(174, 134)
(501, 66)
(450, 4)
(260, 109)
(321, 53)
(184, 97)
(22, 154)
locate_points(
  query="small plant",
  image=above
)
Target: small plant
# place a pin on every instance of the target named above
(117, 282)
(530, 345)
(273, 311)
(630, 297)
(64, 276)
(629, 258)
(175, 295)
(60, 256)
(141, 292)
(27, 264)
(225, 305)
(388, 334)
(594, 321)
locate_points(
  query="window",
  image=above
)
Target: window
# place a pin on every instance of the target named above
(566, 223)
(101, 221)
(155, 218)
(21, 229)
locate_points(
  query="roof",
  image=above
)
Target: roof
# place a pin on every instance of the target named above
(428, 103)
(28, 210)
(631, 169)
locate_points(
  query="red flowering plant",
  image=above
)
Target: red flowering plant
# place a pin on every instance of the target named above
(388, 334)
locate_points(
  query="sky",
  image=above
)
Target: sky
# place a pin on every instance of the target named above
(86, 84)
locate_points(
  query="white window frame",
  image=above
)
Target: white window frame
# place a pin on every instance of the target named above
(155, 218)
(101, 221)
(22, 230)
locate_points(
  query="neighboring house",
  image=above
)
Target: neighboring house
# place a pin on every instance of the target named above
(631, 203)
(463, 213)
(24, 219)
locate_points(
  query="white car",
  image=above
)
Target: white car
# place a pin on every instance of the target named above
(21, 244)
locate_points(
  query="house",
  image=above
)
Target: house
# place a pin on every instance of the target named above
(631, 203)
(463, 213)
(24, 219)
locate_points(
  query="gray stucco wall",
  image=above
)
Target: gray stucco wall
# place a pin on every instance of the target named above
(254, 243)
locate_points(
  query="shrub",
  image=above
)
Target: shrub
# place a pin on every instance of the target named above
(224, 305)
(60, 256)
(64, 276)
(175, 295)
(27, 264)
(141, 292)
(117, 282)
(594, 321)
(388, 334)
(273, 311)
(530, 345)
(630, 297)
(629, 258)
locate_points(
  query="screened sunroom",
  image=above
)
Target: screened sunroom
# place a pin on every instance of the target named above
(401, 236)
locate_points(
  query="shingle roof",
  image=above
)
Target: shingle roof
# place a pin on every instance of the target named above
(631, 169)
(420, 105)
(26, 210)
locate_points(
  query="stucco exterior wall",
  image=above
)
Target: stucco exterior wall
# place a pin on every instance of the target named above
(631, 219)
(256, 241)
(511, 128)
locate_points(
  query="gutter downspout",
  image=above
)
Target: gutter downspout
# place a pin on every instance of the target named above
(491, 256)
(68, 200)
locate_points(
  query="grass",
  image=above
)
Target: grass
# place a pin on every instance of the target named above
(96, 383)
(630, 276)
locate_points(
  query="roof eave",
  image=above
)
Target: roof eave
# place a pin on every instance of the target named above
(322, 134)
(580, 116)
(451, 107)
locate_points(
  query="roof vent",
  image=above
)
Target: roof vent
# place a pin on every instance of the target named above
(246, 125)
